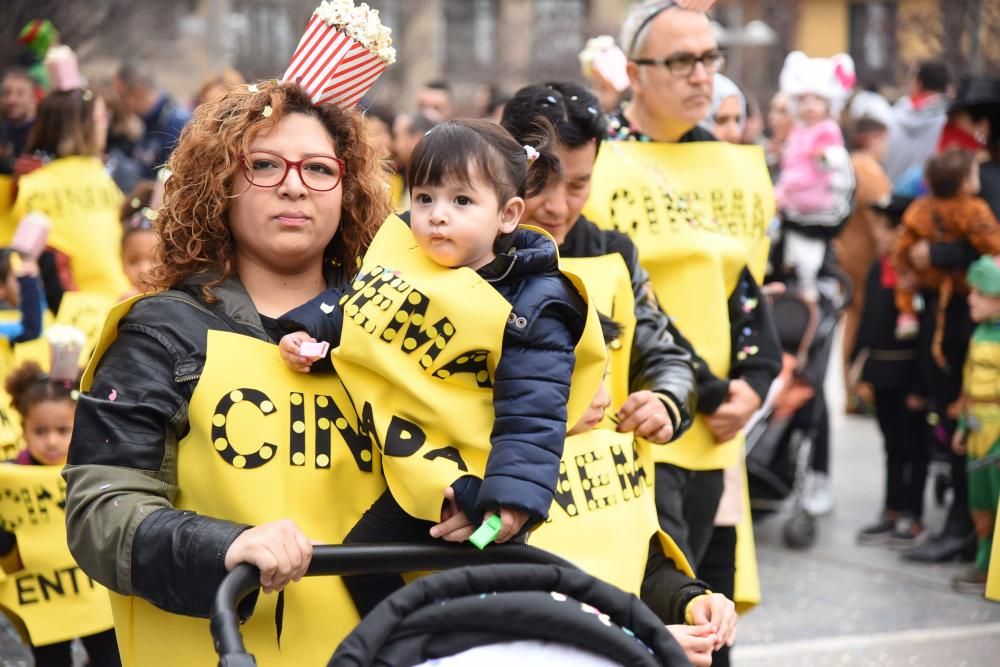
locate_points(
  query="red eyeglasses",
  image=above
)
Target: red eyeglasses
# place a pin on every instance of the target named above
(321, 173)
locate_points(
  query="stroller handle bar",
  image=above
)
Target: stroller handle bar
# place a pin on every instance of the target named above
(244, 579)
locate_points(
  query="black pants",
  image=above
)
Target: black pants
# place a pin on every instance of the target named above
(718, 570)
(944, 386)
(904, 433)
(958, 520)
(384, 522)
(686, 503)
(102, 649)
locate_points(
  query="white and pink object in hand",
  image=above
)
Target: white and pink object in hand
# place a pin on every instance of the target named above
(314, 350)
(31, 235)
(63, 69)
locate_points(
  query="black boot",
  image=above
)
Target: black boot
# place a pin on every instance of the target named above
(944, 547)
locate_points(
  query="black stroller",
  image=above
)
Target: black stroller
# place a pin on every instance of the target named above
(505, 600)
(780, 442)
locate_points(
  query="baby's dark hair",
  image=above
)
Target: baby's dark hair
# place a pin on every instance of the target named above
(947, 171)
(28, 385)
(610, 329)
(136, 216)
(463, 149)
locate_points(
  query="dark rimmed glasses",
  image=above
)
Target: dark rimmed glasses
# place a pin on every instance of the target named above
(682, 65)
(265, 169)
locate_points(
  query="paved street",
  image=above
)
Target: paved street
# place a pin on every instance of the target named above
(841, 604)
(844, 604)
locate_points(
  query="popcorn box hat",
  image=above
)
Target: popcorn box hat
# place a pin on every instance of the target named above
(344, 50)
(63, 69)
(603, 56)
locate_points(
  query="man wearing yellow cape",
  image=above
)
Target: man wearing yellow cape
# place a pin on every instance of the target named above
(649, 380)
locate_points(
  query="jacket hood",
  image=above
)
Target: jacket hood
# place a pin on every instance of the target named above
(532, 253)
(913, 120)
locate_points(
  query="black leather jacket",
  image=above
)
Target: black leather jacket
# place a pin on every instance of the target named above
(122, 470)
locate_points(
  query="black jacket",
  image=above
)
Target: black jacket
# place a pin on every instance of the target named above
(121, 475)
(891, 363)
(532, 380)
(657, 362)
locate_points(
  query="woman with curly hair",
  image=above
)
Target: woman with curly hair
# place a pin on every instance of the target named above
(191, 452)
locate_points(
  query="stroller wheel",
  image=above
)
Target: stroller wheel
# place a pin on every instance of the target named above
(800, 531)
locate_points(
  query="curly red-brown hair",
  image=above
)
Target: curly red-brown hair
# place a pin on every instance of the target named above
(193, 226)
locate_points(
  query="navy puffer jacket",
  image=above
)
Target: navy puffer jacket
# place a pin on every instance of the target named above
(531, 387)
(533, 375)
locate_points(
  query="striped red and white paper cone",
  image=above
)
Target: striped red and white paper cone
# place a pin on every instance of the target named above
(333, 67)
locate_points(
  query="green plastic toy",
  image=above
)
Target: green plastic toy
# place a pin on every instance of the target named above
(487, 532)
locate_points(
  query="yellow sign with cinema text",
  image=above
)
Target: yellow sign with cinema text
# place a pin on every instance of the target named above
(993, 577)
(53, 598)
(698, 212)
(82, 203)
(604, 512)
(419, 350)
(609, 286)
(265, 443)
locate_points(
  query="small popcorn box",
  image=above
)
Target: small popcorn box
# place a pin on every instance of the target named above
(611, 64)
(63, 69)
(31, 235)
(342, 53)
(314, 350)
(65, 347)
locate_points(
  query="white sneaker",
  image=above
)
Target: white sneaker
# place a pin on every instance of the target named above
(817, 498)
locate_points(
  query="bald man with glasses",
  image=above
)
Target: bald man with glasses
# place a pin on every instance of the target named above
(673, 56)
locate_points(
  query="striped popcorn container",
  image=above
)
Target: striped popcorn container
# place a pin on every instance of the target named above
(342, 53)
(611, 64)
(602, 55)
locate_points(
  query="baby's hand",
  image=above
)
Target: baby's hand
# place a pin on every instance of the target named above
(289, 349)
(511, 522)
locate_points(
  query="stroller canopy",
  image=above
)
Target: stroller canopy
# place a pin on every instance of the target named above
(531, 614)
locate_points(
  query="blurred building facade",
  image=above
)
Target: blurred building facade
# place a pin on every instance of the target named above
(509, 43)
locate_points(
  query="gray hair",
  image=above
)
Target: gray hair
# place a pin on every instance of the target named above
(135, 74)
(723, 88)
(635, 27)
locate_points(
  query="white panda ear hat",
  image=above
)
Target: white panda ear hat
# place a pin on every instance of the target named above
(831, 78)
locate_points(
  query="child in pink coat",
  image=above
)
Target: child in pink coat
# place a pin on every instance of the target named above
(816, 185)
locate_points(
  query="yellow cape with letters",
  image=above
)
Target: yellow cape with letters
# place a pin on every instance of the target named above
(51, 596)
(265, 443)
(604, 512)
(698, 212)
(82, 202)
(420, 363)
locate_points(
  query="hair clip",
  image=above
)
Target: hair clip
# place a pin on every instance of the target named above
(574, 98)
(87, 95)
(551, 100)
(532, 153)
